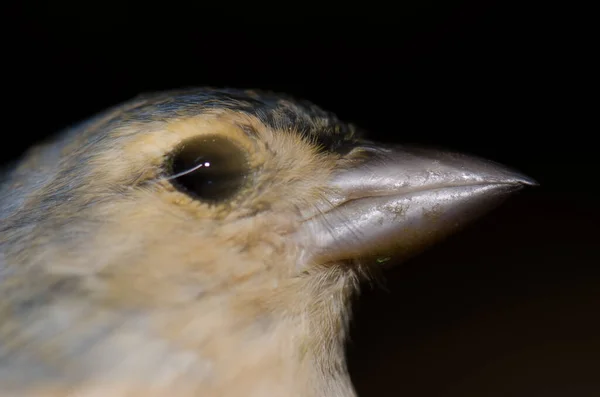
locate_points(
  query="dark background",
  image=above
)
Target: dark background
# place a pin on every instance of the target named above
(510, 306)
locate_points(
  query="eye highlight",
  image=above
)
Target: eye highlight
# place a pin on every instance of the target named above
(210, 168)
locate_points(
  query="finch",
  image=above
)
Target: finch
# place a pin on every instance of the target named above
(209, 242)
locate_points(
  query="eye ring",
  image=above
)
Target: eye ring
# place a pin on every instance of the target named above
(211, 169)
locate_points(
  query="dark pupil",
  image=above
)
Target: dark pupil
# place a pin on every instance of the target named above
(209, 168)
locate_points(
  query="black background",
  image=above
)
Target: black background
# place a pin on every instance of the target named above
(510, 306)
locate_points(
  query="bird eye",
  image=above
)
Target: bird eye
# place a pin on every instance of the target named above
(210, 168)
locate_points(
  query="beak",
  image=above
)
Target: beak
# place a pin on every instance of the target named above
(392, 202)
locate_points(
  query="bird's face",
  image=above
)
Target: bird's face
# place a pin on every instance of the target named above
(210, 242)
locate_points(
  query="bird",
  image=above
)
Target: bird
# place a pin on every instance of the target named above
(210, 242)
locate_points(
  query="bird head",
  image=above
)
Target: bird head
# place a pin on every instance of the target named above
(209, 242)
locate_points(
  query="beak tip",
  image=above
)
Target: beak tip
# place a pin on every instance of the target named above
(524, 180)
